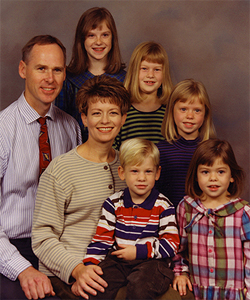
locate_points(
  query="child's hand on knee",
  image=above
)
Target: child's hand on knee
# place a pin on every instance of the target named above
(180, 284)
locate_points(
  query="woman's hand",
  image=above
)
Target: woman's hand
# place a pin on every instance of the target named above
(87, 280)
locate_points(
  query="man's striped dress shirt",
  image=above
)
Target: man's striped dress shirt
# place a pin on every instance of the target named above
(19, 172)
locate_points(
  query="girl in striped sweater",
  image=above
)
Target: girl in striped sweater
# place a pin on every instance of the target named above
(187, 122)
(149, 84)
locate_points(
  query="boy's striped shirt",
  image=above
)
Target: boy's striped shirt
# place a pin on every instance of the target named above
(150, 226)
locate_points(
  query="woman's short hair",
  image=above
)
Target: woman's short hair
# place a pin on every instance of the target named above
(101, 88)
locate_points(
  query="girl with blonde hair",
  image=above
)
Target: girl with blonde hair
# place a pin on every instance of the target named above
(187, 122)
(149, 84)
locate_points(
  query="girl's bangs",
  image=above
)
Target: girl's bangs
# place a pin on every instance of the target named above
(154, 58)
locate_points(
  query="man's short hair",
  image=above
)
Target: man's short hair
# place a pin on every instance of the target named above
(103, 88)
(41, 40)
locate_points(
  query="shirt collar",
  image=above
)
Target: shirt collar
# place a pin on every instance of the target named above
(223, 210)
(214, 215)
(147, 204)
(29, 113)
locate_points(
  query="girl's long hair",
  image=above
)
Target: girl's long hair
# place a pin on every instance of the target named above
(91, 19)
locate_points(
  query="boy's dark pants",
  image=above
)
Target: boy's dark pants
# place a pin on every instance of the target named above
(145, 279)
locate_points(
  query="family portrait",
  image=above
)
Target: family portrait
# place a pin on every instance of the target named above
(124, 149)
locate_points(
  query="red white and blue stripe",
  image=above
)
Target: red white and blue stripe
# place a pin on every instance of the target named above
(150, 226)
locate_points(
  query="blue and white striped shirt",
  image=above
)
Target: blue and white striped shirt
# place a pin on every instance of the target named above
(19, 172)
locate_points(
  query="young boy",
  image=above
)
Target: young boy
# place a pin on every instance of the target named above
(137, 233)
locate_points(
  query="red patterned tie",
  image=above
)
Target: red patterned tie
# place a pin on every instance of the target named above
(44, 146)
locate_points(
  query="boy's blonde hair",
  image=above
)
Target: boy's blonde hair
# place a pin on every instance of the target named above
(151, 52)
(134, 151)
(188, 90)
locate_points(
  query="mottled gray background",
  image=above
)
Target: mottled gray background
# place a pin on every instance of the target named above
(205, 40)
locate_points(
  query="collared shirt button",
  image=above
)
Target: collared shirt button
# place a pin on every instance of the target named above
(110, 186)
(211, 270)
(210, 250)
(210, 231)
(135, 217)
(105, 167)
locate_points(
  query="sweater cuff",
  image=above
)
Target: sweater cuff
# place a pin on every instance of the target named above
(141, 251)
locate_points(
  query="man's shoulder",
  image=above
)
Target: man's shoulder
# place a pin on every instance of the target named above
(8, 118)
(9, 111)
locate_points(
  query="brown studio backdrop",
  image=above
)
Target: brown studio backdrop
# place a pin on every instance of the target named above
(205, 40)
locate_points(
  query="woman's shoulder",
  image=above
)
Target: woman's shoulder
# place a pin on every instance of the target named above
(61, 161)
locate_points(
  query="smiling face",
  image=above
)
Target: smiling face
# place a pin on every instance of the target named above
(214, 181)
(140, 179)
(189, 117)
(104, 120)
(44, 73)
(150, 77)
(98, 43)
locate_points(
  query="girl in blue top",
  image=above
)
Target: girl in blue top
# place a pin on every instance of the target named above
(187, 121)
(95, 52)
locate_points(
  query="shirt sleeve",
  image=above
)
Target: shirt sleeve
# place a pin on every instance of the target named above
(12, 263)
(167, 243)
(181, 265)
(48, 226)
(104, 237)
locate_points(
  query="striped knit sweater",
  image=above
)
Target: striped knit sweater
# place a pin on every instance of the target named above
(68, 206)
(150, 226)
(146, 125)
(174, 160)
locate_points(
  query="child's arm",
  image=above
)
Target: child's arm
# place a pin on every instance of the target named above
(168, 233)
(181, 269)
(167, 243)
(104, 237)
